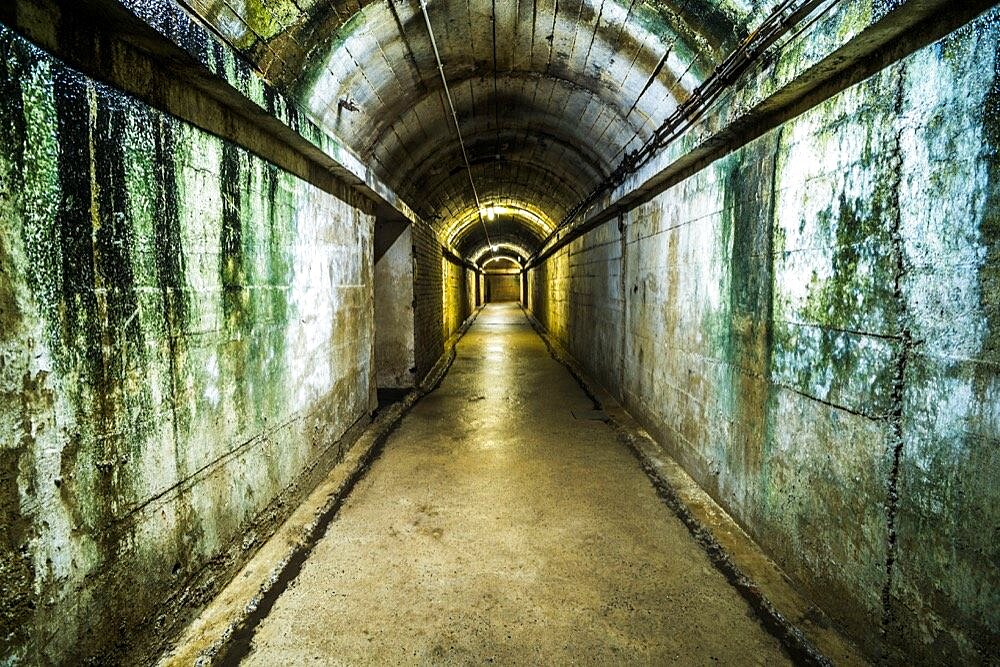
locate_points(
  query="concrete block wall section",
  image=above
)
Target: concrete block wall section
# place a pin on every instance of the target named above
(394, 353)
(454, 296)
(443, 298)
(428, 302)
(809, 326)
(504, 286)
(187, 331)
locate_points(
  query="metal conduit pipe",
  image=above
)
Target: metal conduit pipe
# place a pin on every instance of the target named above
(784, 17)
(454, 116)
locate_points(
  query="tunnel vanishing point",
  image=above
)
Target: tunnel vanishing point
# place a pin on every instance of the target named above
(514, 331)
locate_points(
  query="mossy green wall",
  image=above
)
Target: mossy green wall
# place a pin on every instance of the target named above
(186, 329)
(810, 324)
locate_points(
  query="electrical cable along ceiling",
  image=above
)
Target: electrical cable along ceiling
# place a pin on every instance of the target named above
(548, 95)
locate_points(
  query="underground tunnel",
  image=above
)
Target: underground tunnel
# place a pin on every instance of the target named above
(516, 331)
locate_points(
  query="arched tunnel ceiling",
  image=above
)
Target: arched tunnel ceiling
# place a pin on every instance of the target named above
(546, 107)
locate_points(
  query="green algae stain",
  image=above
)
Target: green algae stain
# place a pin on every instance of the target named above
(989, 273)
(121, 213)
(748, 206)
(708, 28)
(233, 264)
(279, 189)
(17, 575)
(169, 250)
(237, 306)
(75, 228)
(861, 275)
(267, 19)
(315, 69)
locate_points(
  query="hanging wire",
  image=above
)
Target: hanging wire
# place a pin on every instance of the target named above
(454, 116)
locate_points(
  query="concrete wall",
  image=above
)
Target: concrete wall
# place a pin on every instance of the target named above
(443, 297)
(394, 357)
(504, 286)
(810, 326)
(186, 332)
(428, 301)
(458, 295)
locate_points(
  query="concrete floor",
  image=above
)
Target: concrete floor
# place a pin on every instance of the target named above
(499, 527)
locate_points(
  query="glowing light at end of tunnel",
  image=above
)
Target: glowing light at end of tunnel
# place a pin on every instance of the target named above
(536, 220)
(497, 258)
(512, 249)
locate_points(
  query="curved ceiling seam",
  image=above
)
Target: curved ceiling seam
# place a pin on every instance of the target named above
(567, 154)
(576, 32)
(512, 183)
(291, 28)
(458, 210)
(465, 224)
(258, 38)
(345, 83)
(620, 83)
(496, 96)
(433, 149)
(508, 258)
(452, 208)
(363, 75)
(411, 56)
(647, 122)
(508, 74)
(370, 85)
(409, 181)
(464, 211)
(507, 232)
(418, 162)
(624, 146)
(551, 37)
(512, 222)
(621, 29)
(462, 215)
(535, 76)
(652, 76)
(593, 35)
(527, 181)
(785, 17)
(623, 120)
(476, 248)
(510, 231)
(511, 178)
(510, 263)
(476, 254)
(509, 247)
(526, 168)
(536, 218)
(690, 68)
